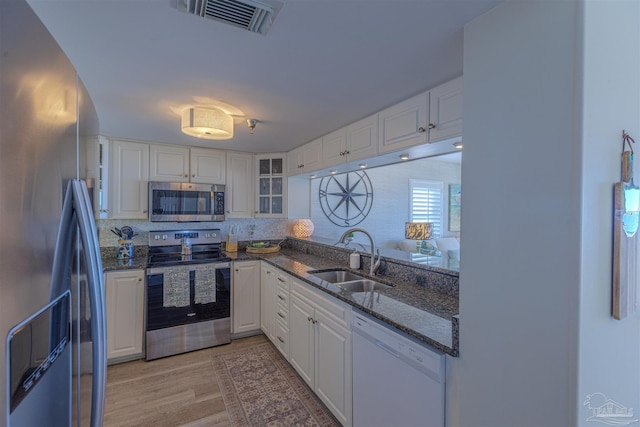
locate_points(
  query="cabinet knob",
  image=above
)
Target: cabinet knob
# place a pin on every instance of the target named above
(139, 279)
(237, 269)
(309, 319)
(186, 176)
(280, 339)
(193, 176)
(421, 129)
(432, 126)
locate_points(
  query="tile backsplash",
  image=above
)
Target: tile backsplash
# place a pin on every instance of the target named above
(263, 229)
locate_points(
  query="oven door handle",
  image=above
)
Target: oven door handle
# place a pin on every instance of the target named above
(190, 267)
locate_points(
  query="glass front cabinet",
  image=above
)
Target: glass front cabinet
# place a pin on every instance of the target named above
(271, 185)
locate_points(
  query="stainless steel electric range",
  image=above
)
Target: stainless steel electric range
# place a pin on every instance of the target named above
(188, 292)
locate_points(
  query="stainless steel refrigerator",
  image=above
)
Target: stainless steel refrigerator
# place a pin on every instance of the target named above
(53, 355)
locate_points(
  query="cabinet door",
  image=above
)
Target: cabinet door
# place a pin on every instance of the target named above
(271, 194)
(267, 301)
(302, 338)
(239, 189)
(207, 166)
(445, 112)
(124, 291)
(129, 187)
(312, 153)
(168, 163)
(334, 148)
(295, 160)
(404, 125)
(333, 366)
(362, 138)
(246, 296)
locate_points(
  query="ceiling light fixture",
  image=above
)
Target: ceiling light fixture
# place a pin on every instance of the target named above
(458, 145)
(207, 123)
(404, 157)
(252, 125)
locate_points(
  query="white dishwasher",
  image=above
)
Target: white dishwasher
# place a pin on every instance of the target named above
(396, 381)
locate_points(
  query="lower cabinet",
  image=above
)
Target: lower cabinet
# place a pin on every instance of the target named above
(246, 297)
(320, 347)
(125, 314)
(274, 307)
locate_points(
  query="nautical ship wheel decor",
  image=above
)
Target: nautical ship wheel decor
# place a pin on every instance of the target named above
(346, 199)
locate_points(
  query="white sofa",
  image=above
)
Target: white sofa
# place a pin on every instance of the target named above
(448, 247)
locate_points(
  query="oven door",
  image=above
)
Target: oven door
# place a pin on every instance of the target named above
(184, 294)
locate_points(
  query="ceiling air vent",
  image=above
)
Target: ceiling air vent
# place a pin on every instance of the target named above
(251, 15)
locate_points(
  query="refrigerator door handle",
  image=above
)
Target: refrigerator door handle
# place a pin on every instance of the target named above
(88, 235)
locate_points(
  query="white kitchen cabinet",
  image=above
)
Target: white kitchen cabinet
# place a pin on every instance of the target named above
(445, 111)
(357, 141)
(129, 180)
(306, 158)
(246, 297)
(274, 306)
(404, 124)
(207, 166)
(175, 163)
(320, 347)
(125, 314)
(239, 188)
(168, 163)
(271, 185)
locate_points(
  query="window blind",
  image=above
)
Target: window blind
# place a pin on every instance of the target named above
(426, 203)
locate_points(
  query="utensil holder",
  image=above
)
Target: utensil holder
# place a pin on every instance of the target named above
(125, 249)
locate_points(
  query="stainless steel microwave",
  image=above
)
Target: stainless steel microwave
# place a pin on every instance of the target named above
(184, 202)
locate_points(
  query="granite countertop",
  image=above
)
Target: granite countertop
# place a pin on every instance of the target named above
(423, 313)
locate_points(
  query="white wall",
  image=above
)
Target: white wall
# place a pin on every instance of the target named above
(609, 349)
(535, 286)
(390, 209)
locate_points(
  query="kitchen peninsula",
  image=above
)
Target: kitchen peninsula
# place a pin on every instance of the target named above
(423, 301)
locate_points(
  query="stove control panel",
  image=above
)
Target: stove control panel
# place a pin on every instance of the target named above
(174, 237)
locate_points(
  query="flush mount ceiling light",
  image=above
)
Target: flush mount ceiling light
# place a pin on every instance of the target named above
(207, 123)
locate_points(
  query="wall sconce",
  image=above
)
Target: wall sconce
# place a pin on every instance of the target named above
(207, 123)
(303, 228)
(251, 123)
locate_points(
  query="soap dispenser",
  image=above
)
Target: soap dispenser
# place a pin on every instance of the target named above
(354, 260)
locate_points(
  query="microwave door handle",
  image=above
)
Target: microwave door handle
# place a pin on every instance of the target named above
(88, 235)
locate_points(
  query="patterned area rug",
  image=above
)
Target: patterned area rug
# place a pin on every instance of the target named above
(260, 388)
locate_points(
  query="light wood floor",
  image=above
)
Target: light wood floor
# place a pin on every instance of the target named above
(175, 391)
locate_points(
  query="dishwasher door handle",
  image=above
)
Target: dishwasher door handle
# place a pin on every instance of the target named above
(386, 348)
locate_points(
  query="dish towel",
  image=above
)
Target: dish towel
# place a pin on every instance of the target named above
(205, 284)
(176, 292)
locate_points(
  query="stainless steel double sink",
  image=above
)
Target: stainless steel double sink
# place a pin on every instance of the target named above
(348, 281)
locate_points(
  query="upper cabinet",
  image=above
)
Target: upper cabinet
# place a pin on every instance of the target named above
(445, 111)
(239, 189)
(357, 141)
(306, 158)
(404, 124)
(129, 180)
(208, 166)
(426, 118)
(271, 194)
(183, 164)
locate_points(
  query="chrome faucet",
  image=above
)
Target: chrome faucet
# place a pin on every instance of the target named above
(374, 264)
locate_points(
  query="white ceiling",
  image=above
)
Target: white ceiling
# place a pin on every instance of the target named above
(322, 65)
